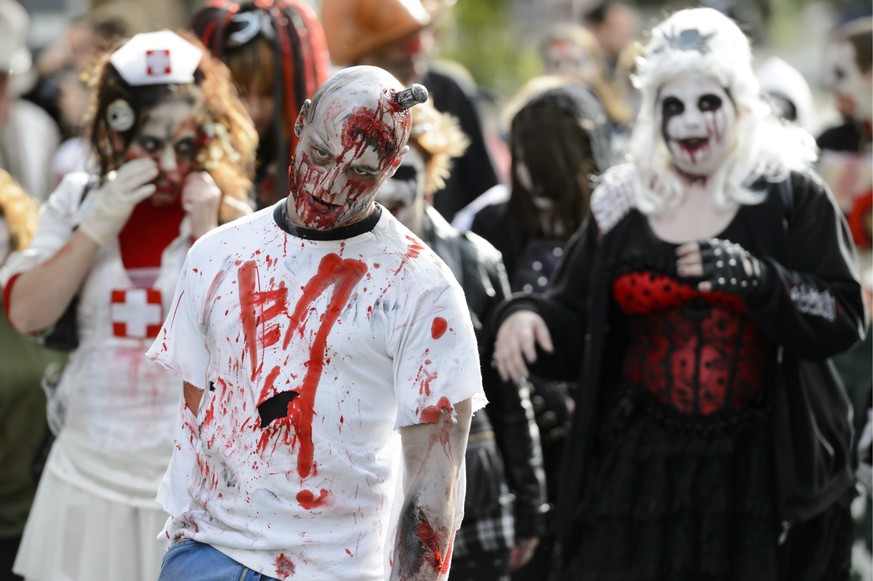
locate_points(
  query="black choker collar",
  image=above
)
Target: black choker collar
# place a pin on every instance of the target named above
(280, 215)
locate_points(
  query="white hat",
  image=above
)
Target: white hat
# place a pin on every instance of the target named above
(777, 77)
(698, 41)
(15, 58)
(156, 58)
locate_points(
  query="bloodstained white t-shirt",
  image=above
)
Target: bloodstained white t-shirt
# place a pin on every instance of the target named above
(311, 353)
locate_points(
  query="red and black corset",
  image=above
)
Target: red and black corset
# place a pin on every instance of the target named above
(698, 353)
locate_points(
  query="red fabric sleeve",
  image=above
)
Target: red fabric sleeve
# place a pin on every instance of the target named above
(7, 295)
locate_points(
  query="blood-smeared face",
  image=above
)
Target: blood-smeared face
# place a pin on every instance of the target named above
(698, 123)
(168, 134)
(403, 193)
(345, 152)
(852, 89)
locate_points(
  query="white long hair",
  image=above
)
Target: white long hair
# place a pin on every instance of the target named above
(702, 41)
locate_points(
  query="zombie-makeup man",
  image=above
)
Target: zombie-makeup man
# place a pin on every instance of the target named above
(329, 367)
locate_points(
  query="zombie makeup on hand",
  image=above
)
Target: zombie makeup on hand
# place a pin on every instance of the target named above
(698, 124)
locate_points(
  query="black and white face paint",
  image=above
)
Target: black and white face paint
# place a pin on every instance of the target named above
(403, 193)
(698, 123)
(852, 88)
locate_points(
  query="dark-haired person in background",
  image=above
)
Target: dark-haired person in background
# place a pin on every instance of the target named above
(277, 56)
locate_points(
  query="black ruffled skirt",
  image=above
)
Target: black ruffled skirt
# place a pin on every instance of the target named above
(673, 497)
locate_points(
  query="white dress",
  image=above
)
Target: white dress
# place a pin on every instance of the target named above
(94, 516)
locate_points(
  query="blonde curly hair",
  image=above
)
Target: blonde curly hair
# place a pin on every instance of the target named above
(439, 138)
(19, 209)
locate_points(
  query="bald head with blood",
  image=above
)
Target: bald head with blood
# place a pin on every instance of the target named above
(353, 135)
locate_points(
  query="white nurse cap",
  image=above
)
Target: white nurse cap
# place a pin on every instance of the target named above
(157, 58)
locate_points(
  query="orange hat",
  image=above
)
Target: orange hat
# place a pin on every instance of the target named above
(354, 28)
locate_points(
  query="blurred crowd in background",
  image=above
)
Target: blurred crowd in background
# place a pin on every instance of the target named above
(485, 62)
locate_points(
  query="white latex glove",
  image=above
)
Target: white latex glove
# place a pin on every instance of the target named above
(201, 199)
(115, 199)
(516, 343)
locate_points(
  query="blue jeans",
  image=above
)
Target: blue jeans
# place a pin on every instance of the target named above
(188, 560)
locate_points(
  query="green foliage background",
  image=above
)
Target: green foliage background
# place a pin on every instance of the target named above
(482, 36)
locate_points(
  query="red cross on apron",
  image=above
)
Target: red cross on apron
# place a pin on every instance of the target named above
(136, 313)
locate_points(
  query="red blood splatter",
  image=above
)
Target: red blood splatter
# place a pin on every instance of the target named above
(431, 414)
(176, 309)
(322, 186)
(269, 385)
(425, 382)
(413, 251)
(284, 566)
(438, 327)
(343, 274)
(257, 308)
(430, 540)
(415, 248)
(365, 126)
(307, 499)
(448, 560)
(209, 416)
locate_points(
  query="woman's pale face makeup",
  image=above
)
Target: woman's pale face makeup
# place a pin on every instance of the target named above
(698, 122)
(403, 193)
(852, 89)
(169, 135)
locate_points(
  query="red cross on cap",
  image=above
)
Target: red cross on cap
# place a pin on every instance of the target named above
(158, 62)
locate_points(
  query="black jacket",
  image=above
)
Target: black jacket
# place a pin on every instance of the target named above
(479, 269)
(473, 173)
(584, 319)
